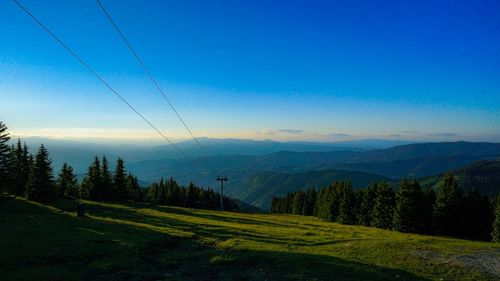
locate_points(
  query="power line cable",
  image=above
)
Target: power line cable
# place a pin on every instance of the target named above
(98, 77)
(148, 73)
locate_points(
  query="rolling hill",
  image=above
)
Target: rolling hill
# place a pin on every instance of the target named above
(484, 176)
(146, 242)
(259, 189)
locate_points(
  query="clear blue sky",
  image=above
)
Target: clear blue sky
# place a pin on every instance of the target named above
(287, 70)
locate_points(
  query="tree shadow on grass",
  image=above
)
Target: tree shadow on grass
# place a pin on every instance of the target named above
(38, 243)
(272, 265)
(211, 228)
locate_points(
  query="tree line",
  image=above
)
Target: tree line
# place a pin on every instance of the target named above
(31, 176)
(446, 211)
(170, 193)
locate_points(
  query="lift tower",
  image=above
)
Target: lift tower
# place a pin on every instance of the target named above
(222, 180)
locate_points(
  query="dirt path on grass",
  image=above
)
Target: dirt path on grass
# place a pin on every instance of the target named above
(487, 261)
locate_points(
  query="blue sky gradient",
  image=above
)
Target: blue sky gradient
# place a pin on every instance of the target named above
(285, 70)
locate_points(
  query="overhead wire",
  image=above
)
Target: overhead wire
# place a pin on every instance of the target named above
(89, 68)
(153, 80)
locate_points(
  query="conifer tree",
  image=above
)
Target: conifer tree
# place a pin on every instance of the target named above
(40, 185)
(409, 210)
(366, 205)
(4, 155)
(174, 193)
(20, 168)
(448, 207)
(162, 193)
(495, 234)
(92, 183)
(25, 165)
(274, 204)
(135, 191)
(209, 200)
(428, 213)
(320, 209)
(347, 204)
(152, 193)
(107, 181)
(310, 202)
(334, 204)
(67, 184)
(190, 196)
(383, 208)
(323, 202)
(298, 202)
(328, 201)
(478, 216)
(121, 190)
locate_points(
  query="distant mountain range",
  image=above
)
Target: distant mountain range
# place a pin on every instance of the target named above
(259, 169)
(413, 160)
(79, 154)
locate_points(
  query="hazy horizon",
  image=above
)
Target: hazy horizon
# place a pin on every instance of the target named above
(362, 141)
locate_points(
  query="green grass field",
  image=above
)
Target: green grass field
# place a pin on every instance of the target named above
(144, 242)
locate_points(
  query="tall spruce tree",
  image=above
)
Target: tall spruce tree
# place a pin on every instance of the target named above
(478, 216)
(310, 202)
(107, 181)
(383, 209)
(174, 193)
(274, 204)
(428, 215)
(495, 234)
(41, 185)
(152, 193)
(162, 197)
(448, 207)
(23, 168)
(347, 204)
(120, 187)
(320, 210)
(298, 202)
(191, 196)
(92, 183)
(409, 210)
(135, 191)
(366, 206)
(67, 184)
(4, 158)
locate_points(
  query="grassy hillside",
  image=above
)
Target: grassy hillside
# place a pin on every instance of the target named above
(259, 189)
(142, 242)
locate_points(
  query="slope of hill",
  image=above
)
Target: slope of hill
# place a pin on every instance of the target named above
(259, 189)
(484, 176)
(143, 242)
